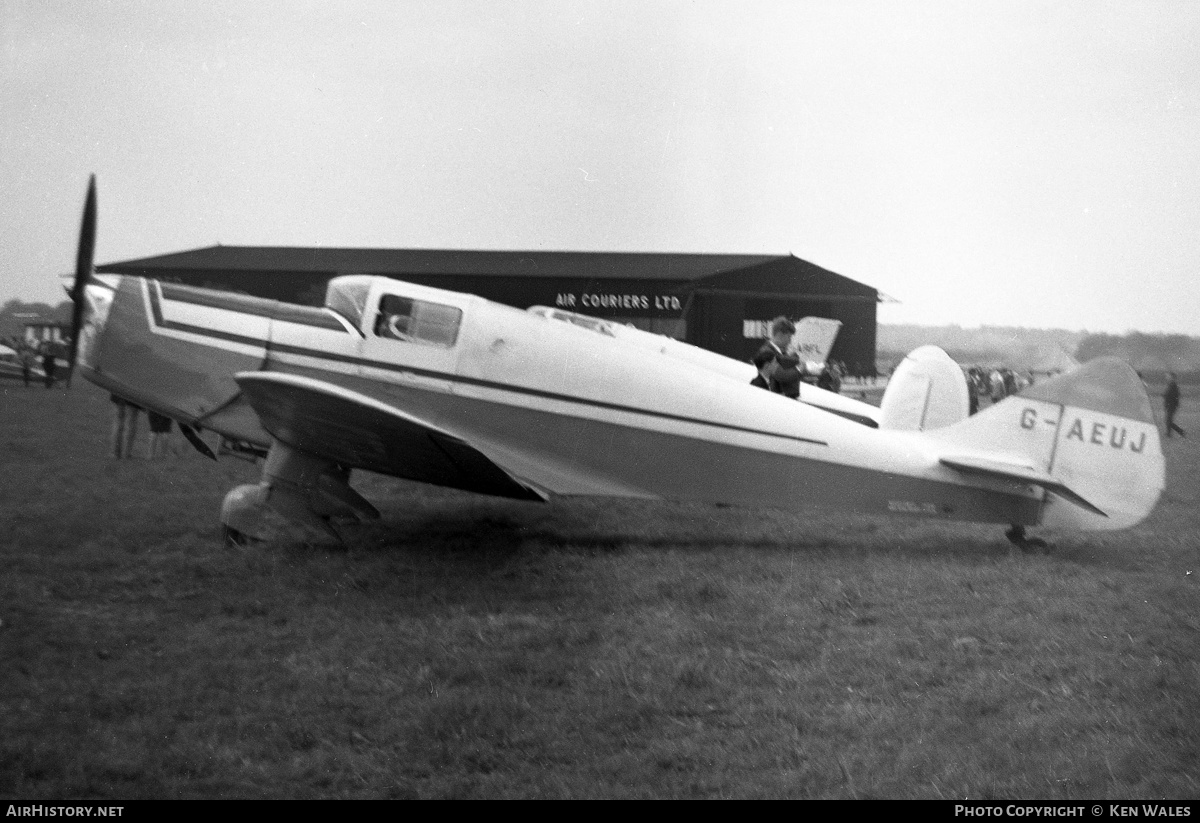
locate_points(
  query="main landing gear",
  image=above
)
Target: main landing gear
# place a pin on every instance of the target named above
(299, 496)
(1016, 535)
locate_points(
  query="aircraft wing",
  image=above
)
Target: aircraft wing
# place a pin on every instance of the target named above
(1019, 472)
(360, 432)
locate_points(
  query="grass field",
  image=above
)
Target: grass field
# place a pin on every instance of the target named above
(466, 647)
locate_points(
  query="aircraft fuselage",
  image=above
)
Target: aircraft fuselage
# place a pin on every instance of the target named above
(556, 405)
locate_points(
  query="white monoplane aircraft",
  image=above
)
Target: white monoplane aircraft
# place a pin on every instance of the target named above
(454, 390)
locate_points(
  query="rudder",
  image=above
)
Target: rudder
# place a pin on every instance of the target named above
(927, 391)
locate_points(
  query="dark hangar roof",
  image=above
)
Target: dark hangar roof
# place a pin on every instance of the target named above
(731, 272)
(436, 261)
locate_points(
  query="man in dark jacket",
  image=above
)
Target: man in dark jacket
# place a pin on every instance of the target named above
(764, 363)
(776, 368)
(48, 366)
(1171, 405)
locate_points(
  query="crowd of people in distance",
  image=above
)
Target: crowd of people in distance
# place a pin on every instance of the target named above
(993, 384)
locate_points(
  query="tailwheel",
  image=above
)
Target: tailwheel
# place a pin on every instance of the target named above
(1016, 535)
(231, 538)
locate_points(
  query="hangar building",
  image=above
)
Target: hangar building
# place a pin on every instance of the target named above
(720, 302)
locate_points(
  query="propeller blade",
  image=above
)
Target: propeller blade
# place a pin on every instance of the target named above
(83, 272)
(84, 259)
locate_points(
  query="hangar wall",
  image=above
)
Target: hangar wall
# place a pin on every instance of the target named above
(712, 301)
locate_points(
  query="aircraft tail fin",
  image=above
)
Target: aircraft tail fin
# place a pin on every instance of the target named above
(814, 339)
(1088, 438)
(927, 391)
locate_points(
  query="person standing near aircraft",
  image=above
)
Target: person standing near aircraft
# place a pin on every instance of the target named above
(764, 363)
(160, 434)
(48, 365)
(1011, 386)
(782, 372)
(825, 381)
(996, 381)
(1171, 405)
(124, 430)
(26, 357)
(972, 391)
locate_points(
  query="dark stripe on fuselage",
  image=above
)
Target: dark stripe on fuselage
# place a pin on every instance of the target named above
(162, 323)
(156, 311)
(247, 304)
(857, 418)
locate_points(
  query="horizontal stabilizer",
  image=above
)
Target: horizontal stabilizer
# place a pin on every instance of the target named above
(1087, 436)
(1019, 473)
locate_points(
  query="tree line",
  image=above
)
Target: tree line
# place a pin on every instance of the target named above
(1152, 354)
(1148, 353)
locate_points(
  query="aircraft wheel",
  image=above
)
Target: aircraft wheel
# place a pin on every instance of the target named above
(1016, 535)
(231, 538)
(1037, 544)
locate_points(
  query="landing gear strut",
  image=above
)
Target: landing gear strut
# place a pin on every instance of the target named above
(300, 493)
(1016, 536)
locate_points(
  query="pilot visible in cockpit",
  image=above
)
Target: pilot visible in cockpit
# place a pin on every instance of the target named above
(395, 317)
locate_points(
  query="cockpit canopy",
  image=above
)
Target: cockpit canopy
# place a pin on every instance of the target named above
(392, 313)
(417, 321)
(347, 295)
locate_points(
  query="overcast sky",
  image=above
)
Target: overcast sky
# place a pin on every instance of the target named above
(1001, 163)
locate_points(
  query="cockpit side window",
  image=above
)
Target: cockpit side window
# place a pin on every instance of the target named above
(417, 321)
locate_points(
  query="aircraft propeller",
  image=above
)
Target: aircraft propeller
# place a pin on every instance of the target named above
(83, 272)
